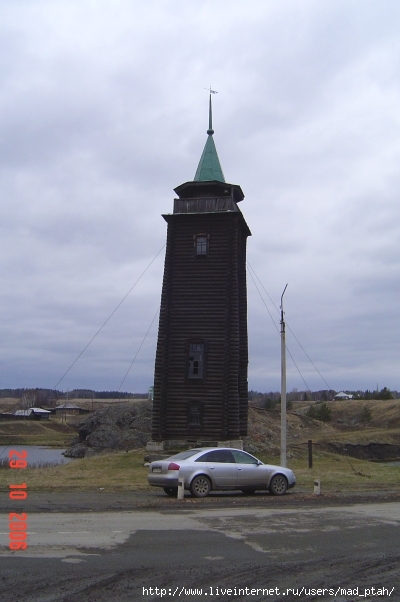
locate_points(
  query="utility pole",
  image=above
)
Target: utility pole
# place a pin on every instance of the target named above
(283, 385)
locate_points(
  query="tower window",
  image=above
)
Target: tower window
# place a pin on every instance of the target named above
(196, 360)
(201, 245)
(195, 413)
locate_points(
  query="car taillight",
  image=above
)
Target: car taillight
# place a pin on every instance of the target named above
(173, 466)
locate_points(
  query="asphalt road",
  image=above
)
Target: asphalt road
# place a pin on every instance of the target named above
(162, 553)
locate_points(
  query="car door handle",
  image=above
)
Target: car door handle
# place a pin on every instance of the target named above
(211, 467)
(240, 468)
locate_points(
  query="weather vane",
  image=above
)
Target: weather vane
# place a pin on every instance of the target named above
(210, 130)
(211, 91)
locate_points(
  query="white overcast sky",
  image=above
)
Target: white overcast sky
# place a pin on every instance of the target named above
(103, 112)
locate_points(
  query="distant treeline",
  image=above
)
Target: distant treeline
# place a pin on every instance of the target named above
(294, 395)
(269, 400)
(46, 395)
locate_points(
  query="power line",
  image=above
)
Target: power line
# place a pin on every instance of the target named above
(287, 349)
(251, 269)
(101, 328)
(108, 319)
(140, 346)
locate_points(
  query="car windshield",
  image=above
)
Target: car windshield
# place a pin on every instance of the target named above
(185, 454)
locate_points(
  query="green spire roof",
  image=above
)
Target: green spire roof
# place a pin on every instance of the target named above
(209, 167)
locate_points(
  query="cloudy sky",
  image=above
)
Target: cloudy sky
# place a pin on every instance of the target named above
(104, 112)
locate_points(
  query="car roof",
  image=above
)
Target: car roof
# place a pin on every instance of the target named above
(210, 448)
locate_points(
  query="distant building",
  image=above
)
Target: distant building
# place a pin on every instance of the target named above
(343, 395)
(69, 409)
(33, 414)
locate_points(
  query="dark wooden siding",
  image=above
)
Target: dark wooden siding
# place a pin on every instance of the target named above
(203, 298)
(204, 205)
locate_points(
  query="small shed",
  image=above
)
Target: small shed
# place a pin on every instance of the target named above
(342, 395)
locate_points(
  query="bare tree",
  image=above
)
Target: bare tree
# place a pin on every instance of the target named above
(28, 399)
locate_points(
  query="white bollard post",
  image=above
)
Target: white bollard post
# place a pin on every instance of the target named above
(317, 487)
(181, 488)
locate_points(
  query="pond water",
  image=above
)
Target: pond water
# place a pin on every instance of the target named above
(37, 454)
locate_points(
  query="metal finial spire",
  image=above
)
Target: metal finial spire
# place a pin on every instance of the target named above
(210, 130)
(209, 168)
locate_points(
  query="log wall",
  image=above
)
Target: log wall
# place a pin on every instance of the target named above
(204, 298)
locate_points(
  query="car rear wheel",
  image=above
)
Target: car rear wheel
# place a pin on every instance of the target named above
(278, 485)
(200, 486)
(171, 491)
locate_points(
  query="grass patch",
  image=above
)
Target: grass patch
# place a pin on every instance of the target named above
(119, 471)
(122, 471)
(339, 474)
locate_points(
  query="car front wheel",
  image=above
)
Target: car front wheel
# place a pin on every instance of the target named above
(200, 486)
(278, 485)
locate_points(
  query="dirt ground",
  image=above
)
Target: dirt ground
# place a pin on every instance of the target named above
(100, 501)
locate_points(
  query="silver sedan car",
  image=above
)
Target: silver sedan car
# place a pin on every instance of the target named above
(214, 468)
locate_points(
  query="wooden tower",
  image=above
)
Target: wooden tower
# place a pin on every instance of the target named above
(200, 380)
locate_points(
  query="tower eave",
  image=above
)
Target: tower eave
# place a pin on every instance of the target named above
(209, 188)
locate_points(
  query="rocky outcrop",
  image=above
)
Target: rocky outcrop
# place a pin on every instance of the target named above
(377, 452)
(117, 427)
(127, 426)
